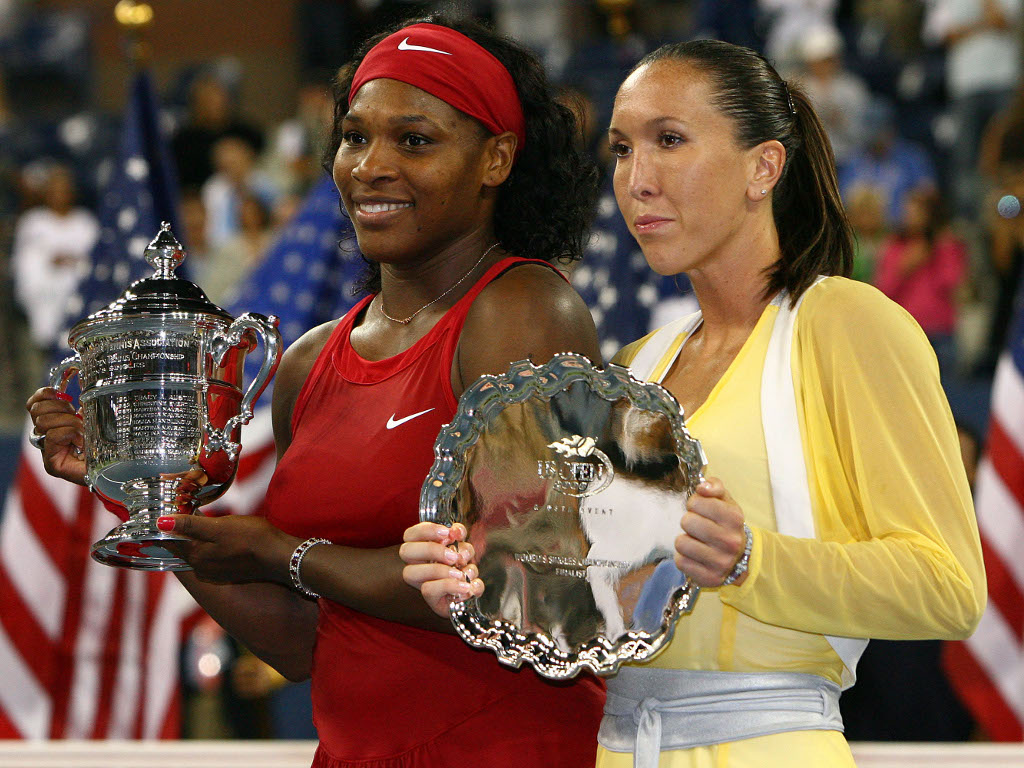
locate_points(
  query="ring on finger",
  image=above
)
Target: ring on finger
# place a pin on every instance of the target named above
(37, 441)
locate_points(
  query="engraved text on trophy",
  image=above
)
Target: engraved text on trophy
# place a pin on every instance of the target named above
(112, 359)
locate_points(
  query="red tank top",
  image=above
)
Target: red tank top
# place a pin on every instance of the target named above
(386, 694)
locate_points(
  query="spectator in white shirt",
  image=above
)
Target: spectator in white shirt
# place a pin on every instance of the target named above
(52, 246)
(982, 70)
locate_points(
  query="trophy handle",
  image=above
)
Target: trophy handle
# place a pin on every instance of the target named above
(61, 373)
(237, 335)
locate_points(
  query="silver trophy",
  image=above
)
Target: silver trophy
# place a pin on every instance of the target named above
(162, 402)
(572, 482)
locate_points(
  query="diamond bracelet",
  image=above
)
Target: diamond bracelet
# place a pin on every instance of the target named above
(296, 562)
(744, 562)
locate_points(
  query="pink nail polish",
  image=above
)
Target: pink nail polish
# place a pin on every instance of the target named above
(165, 523)
(451, 556)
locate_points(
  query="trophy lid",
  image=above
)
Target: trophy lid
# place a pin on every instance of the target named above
(162, 292)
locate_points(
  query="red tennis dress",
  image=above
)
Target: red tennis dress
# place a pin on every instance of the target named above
(386, 694)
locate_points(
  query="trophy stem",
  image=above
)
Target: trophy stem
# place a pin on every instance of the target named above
(137, 543)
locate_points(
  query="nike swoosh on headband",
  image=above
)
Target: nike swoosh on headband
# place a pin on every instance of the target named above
(405, 45)
(393, 422)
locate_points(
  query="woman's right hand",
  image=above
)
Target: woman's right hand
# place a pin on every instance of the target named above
(54, 417)
(439, 563)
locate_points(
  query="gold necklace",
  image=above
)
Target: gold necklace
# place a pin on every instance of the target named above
(407, 320)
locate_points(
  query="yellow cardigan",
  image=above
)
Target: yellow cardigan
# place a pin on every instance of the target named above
(897, 554)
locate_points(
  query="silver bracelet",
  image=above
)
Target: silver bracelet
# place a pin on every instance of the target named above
(744, 562)
(296, 562)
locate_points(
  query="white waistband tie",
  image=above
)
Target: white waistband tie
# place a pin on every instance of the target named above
(701, 708)
(647, 717)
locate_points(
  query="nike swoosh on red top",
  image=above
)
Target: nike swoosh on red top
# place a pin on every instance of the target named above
(393, 422)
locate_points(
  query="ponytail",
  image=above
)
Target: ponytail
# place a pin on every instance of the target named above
(815, 236)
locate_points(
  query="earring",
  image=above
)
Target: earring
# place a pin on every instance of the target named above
(764, 191)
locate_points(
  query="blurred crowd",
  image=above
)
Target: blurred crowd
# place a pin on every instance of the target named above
(923, 101)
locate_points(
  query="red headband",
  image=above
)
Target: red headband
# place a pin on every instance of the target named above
(450, 66)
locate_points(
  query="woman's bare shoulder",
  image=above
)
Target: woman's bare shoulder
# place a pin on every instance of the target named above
(530, 312)
(298, 359)
(529, 294)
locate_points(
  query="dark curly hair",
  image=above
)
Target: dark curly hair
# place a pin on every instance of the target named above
(815, 235)
(545, 207)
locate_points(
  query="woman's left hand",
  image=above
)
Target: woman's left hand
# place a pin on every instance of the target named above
(713, 538)
(232, 548)
(439, 563)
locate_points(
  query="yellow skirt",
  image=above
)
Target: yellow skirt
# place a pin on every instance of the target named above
(815, 749)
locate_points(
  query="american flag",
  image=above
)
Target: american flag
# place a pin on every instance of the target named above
(91, 651)
(88, 651)
(626, 297)
(307, 277)
(987, 670)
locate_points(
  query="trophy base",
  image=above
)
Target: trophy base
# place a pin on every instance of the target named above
(139, 550)
(137, 543)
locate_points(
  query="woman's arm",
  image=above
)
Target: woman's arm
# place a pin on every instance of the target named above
(229, 553)
(530, 312)
(272, 621)
(898, 554)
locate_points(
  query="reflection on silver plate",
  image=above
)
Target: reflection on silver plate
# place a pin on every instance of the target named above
(572, 481)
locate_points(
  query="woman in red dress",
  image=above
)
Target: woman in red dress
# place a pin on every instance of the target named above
(465, 180)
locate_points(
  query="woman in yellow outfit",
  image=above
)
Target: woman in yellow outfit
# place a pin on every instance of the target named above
(837, 508)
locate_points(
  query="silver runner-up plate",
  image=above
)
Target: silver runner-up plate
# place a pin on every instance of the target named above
(572, 481)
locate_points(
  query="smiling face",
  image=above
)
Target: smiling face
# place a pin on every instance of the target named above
(684, 186)
(414, 173)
